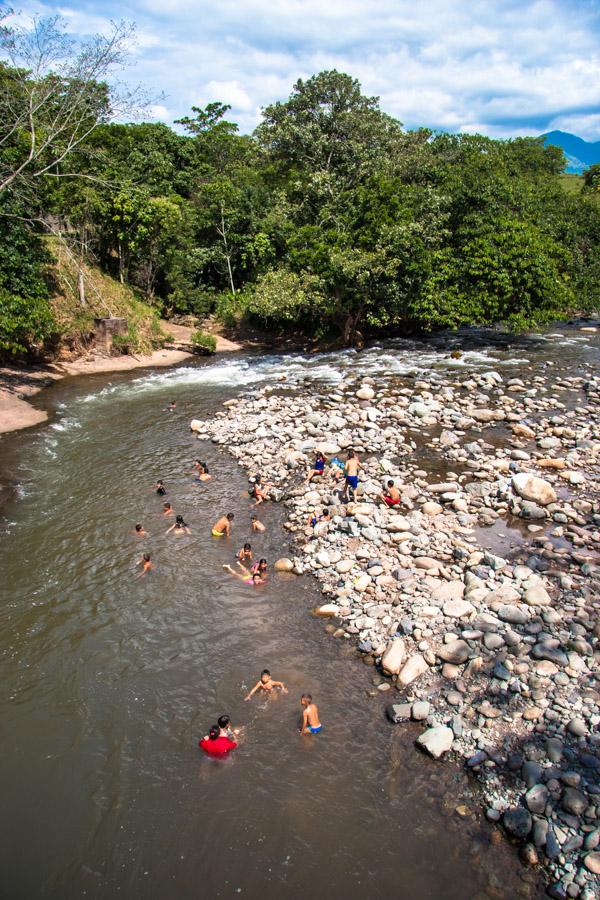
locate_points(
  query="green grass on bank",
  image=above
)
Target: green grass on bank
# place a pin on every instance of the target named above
(104, 296)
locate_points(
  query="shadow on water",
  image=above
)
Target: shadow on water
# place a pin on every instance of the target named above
(109, 682)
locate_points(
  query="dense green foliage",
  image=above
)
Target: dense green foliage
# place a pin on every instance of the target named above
(329, 220)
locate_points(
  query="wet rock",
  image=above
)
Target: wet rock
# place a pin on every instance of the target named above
(573, 801)
(529, 856)
(328, 609)
(536, 799)
(398, 712)
(517, 821)
(284, 565)
(552, 847)
(540, 832)
(531, 772)
(436, 741)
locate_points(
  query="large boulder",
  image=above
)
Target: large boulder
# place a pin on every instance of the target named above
(284, 565)
(530, 487)
(436, 741)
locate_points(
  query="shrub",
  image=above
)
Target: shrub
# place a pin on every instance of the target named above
(25, 322)
(206, 343)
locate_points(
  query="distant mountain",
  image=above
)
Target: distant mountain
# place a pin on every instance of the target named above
(580, 154)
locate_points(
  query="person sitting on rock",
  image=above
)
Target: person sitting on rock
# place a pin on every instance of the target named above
(245, 554)
(266, 684)
(351, 469)
(391, 494)
(251, 578)
(259, 490)
(256, 524)
(336, 467)
(179, 526)
(318, 469)
(223, 526)
(311, 724)
(314, 519)
(216, 744)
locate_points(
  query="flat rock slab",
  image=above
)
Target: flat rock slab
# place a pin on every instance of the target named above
(436, 741)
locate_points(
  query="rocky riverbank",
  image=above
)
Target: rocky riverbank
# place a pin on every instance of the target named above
(495, 654)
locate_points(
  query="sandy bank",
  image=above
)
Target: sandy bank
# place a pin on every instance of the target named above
(18, 385)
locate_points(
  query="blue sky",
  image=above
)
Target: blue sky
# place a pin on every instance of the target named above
(498, 67)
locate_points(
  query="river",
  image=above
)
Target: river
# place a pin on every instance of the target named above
(108, 681)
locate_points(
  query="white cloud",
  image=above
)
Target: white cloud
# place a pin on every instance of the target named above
(503, 67)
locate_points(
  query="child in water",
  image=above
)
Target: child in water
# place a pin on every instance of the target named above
(179, 526)
(311, 724)
(140, 531)
(256, 524)
(216, 744)
(266, 684)
(146, 564)
(247, 577)
(245, 554)
(160, 488)
(223, 526)
(168, 510)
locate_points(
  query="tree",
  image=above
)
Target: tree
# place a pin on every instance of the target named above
(591, 179)
(53, 95)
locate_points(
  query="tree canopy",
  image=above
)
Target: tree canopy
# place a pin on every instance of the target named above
(330, 220)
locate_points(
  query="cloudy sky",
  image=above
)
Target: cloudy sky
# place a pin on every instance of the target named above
(499, 67)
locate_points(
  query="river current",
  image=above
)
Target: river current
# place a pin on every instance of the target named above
(108, 681)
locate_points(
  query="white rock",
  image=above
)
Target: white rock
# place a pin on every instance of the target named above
(345, 565)
(450, 590)
(365, 393)
(456, 609)
(362, 582)
(284, 565)
(436, 741)
(196, 425)
(328, 609)
(530, 487)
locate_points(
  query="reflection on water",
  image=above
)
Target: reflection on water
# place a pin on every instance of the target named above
(110, 681)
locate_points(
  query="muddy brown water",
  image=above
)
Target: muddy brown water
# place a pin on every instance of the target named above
(108, 682)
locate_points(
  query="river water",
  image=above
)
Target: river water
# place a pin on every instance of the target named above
(108, 681)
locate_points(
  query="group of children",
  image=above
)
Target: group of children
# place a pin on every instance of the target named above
(222, 737)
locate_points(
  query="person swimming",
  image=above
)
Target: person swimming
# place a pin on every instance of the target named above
(223, 526)
(168, 510)
(160, 488)
(172, 406)
(311, 724)
(140, 531)
(253, 578)
(204, 474)
(146, 564)
(256, 524)
(266, 684)
(245, 554)
(260, 567)
(216, 744)
(179, 526)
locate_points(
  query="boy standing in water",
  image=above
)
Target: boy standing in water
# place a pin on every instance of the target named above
(311, 723)
(223, 526)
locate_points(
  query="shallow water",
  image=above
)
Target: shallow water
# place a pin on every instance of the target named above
(109, 681)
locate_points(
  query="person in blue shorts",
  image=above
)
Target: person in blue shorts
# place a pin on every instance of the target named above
(351, 472)
(311, 724)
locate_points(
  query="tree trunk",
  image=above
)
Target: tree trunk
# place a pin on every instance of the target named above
(81, 287)
(227, 253)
